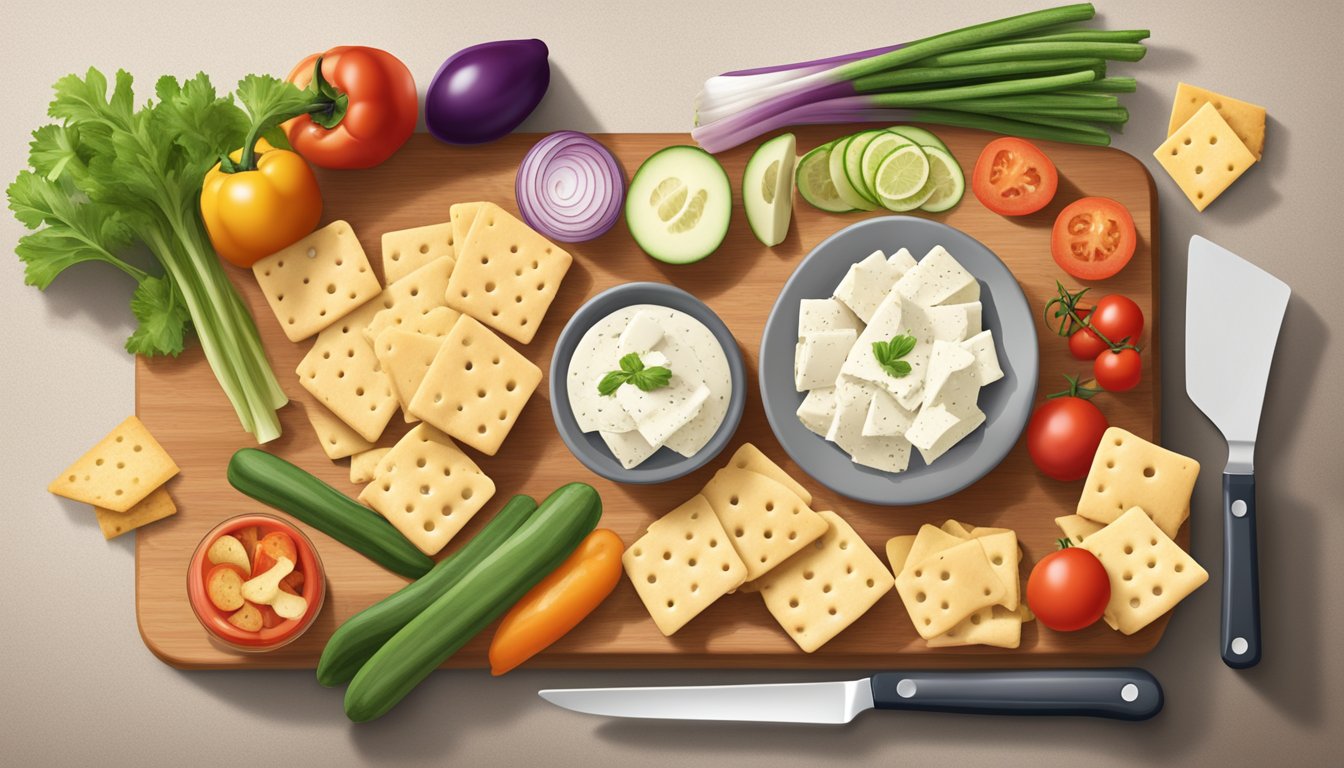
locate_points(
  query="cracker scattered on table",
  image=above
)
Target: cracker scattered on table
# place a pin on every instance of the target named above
(1128, 471)
(426, 490)
(682, 564)
(406, 358)
(1204, 156)
(407, 250)
(462, 216)
(929, 541)
(948, 586)
(337, 439)
(363, 464)
(316, 281)
(342, 372)
(1149, 572)
(1245, 119)
(411, 298)
(151, 509)
(827, 586)
(424, 433)
(476, 387)
(766, 522)
(1077, 528)
(506, 274)
(750, 458)
(118, 472)
(996, 626)
(1001, 549)
(898, 551)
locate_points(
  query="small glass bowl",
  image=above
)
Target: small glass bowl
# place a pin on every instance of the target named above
(266, 639)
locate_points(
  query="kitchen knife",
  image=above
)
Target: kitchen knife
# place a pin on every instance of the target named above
(1233, 311)
(1122, 694)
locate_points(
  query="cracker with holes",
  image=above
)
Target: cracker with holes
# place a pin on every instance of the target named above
(682, 564)
(1001, 549)
(423, 433)
(407, 250)
(118, 472)
(766, 522)
(948, 586)
(826, 587)
(476, 387)
(362, 464)
(1077, 528)
(462, 216)
(1128, 471)
(151, 509)
(411, 298)
(1149, 572)
(427, 490)
(316, 281)
(336, 438)
(750, 458)
(342, 372)
(506, 274)
(406, 358)
(995, 626)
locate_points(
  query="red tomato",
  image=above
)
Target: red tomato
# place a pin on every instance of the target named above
(377, 117)
(1083, 343)
(1013, 177)
(1118, 371)
(1118, 318)
(1093, 238)
(1068, 590)
(1062, 436)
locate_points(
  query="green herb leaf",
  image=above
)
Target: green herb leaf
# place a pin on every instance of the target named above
(889, 354)
(163, 318)
(633, 372)
(631, 363)
(611, 382)
(653, 378)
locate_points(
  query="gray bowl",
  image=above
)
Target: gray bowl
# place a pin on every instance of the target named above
(665, 464)
(1006, 403)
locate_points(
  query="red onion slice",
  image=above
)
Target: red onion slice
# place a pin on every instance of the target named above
(570, 188)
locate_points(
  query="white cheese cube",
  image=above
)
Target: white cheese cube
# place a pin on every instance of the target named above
(866, 284)
(819, 358)
(937, 278)
(818, 410)
(821, 315)
(981, 345)
(886, 417)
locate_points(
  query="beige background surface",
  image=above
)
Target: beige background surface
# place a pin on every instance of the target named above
(80, 688)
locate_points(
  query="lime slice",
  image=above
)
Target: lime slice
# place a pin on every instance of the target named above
(814, 180)
(873, 155)
(901, 176)
(843, 188)
(945, 180)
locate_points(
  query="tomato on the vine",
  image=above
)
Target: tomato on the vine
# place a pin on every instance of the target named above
(1063, 435)
(1118, 371)
(1068, 589)
(1084, 343)
(1117, 318)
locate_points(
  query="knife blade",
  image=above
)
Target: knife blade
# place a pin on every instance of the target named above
(1233, 313)
(1122, 694)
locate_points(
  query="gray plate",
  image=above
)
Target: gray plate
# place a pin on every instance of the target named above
(665, 464)
(1006, 403)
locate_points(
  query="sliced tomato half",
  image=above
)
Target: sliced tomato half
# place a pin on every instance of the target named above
(1013, 177)
(1094, 238)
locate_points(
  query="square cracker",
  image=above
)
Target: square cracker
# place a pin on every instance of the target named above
(462, 216)
(827, 586)
(682, 564)
(118, 472)
(1001, 549)
(1128, 471)
(337, 439)
(947, 587)
(995, 625)
(766, 522)
(898, 551)
(506, 274)
(929, 541)
(1149, 572)
(407, 250)
(406, 358)
(1247, 120)
(411, 298)
(342, 372)
(423, 433)
(316, 281)
(1077, 528)
(153, 508)
(750, 458)
(476, 387)
(1204, 156)
(363, 464)
(426, 490)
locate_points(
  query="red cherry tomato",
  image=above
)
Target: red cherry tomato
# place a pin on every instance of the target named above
(1118, 318)
(1118, 371)
(1062, 436)
(1068, 590)
(1013, 177)
(1093, 238)
(1083, 343)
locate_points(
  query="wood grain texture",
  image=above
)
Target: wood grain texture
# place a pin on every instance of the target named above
(182, 405)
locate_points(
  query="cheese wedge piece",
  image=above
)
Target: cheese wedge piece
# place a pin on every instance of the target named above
(886, 417)
(866, 284)
(946, 362)
(937, 429)
(819, 357)
(938, 278)
(818, 410)
(987, 370)
(629, 448)
(902, 261)
(1247, 120)
(820, 315)
(663, 411)
(642, 334)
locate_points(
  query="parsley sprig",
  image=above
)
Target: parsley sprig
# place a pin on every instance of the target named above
(889, 354)
(633, 372)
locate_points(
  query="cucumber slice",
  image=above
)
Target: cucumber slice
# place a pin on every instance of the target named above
(901, 179)
(767, 189)
(919, 136)
(679, 205)
(881, 146)
(854, 163)
(843, 188)
(814, 180)
(945, 180)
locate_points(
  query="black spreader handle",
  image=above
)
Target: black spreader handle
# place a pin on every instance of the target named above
(1240, 636)
(1121, 694)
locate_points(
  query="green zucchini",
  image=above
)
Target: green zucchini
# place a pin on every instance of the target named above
(355, 641)
(277, 483)
(481, 596)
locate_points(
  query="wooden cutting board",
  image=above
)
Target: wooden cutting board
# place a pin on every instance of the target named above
(180, 402)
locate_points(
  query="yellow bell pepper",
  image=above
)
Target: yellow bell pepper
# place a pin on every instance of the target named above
(253, 212)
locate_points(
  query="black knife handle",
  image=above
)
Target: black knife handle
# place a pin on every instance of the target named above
(1240, 635)
(1121, 694)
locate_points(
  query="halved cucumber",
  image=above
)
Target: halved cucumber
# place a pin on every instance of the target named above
(679, 205)
(901, 179)
(919, 136)
(882, 145)
(854, 163)
(945, 180)
(843, 188)
(767, 189)
(814, 180)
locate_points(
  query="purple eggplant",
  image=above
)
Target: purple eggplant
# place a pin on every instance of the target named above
(486, 91)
